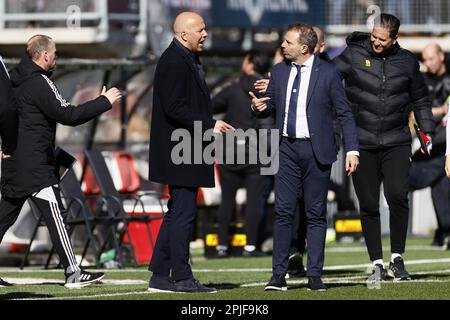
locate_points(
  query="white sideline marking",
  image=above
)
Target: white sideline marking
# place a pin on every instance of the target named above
(37, 281)
(331, 280)
(364, 249)
(91, 296)
(337, 267)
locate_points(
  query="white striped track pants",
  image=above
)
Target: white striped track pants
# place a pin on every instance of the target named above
(48, 202)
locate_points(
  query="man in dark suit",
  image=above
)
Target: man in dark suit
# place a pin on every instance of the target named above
(8, 114)
(181, 101)
(303, 92)
(8, 122)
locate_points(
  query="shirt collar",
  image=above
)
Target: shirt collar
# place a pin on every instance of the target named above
(189, 52)
(308, 63)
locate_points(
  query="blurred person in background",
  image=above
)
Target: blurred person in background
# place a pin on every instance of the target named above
(234, 100)
(426, 171)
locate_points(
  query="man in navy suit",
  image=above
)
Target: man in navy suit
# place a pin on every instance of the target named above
(302, 93)
(180, 99)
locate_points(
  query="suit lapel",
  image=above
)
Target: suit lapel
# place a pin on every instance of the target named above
(190, 63)
(313, 80)
(284, 83)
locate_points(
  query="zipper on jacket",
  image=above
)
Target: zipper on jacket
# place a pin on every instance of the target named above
(383, 99)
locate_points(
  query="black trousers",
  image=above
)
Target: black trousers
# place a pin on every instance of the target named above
(390, 166)
(344, 203)
(299, 170)
(171, 253)
(430, 173)
(48, 202)
(231, 179)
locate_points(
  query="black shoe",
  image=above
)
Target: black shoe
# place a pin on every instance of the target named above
(254, 253)
(397, 270)
(192, 285)
(440, 238)
(81, 278)
(296, 269)
(160, 283)
(276, 283)
(4, 283)
(316, 284)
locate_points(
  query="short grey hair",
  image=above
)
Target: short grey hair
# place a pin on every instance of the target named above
(38, 44)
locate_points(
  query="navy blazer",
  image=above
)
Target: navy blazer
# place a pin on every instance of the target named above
(325, 94)
(180, 97)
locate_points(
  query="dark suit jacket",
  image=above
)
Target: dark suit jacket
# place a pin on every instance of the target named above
(180, 97)
(8, 113)
(325, 93)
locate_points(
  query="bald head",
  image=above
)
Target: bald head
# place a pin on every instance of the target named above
(433, 57)
(190, 30)
(432, 48)
(184, 21)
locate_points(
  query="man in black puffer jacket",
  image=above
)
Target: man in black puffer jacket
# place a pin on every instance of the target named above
(383, 84)
(8, 113)
(30, 173)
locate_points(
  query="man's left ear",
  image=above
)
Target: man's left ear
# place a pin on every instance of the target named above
(183, 36)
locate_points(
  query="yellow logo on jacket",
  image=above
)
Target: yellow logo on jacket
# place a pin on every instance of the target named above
(367, 63)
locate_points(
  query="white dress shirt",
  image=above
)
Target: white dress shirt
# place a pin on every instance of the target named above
(301, 124)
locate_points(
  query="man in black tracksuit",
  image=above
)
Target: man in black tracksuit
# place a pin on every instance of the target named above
(30, 171)
(383, 84)
(426, 171)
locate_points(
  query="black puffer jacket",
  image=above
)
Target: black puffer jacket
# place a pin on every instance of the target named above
(382, 91)
(41, 107)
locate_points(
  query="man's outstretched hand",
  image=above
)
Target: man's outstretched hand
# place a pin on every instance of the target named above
(222, 127)
(112, 94)
(258, 104)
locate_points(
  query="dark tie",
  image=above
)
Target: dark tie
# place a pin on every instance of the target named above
(292, 113)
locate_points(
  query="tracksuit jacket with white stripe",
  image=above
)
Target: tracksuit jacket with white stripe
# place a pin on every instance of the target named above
(41, 107)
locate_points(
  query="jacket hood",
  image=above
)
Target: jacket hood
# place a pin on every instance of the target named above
(357, 38)
(362, 39)
(25, 70)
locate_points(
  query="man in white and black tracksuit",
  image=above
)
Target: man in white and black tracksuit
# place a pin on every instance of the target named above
(29, 173)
